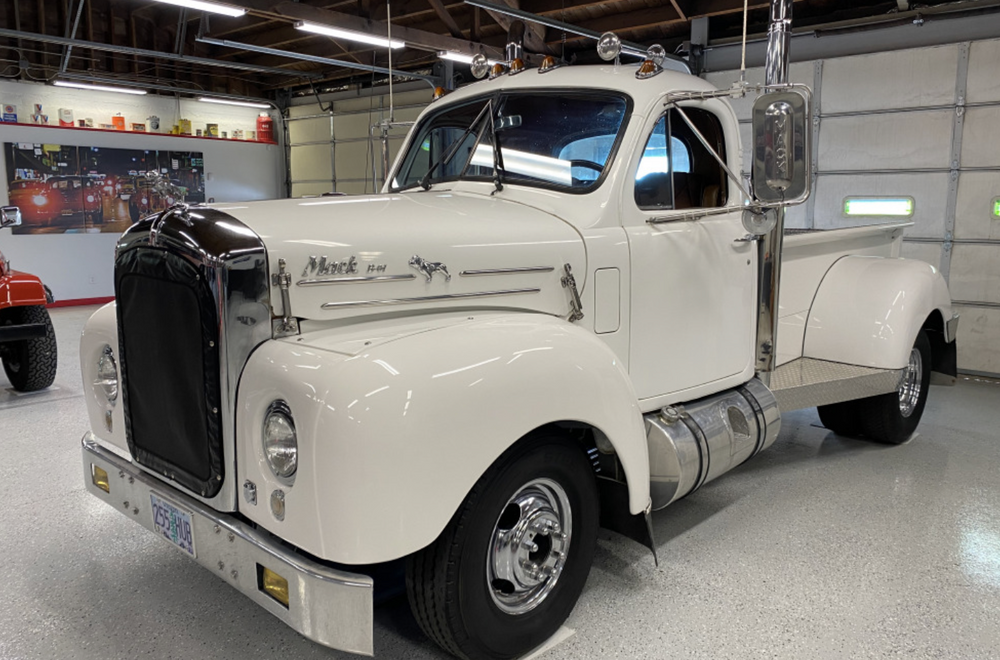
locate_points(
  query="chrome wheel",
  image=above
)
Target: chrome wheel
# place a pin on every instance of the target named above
(529, 546)
(910, 385)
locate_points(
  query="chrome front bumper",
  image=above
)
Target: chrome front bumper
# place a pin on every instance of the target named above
(330, 607)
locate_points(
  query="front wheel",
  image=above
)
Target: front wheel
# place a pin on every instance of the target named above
(30, 364)
(510, 566)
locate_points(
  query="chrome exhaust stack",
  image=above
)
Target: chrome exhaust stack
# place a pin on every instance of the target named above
(769, 247)
(515, 41)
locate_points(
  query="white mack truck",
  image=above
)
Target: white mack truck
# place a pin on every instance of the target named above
(561, 313)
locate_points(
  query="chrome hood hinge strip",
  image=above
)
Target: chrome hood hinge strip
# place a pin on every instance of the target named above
(287, 324)
(575, 303)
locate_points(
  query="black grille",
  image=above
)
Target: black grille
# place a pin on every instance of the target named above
(168, 331)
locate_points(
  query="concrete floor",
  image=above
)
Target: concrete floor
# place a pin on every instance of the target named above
(822, 547)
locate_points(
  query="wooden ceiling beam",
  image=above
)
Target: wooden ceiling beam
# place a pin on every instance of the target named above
(446, 18)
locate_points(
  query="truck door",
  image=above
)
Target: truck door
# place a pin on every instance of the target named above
(693, 282)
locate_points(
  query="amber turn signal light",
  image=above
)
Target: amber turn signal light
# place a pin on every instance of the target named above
(100, 478)
(439, 92)
(273, 585)
(516, 66)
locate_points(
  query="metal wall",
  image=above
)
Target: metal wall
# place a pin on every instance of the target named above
(330, 149)
(920, 123)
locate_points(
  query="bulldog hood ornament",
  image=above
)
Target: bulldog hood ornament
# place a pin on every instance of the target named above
(428, 268)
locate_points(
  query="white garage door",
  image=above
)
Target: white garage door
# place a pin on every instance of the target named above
(330, 149)
(922, 125)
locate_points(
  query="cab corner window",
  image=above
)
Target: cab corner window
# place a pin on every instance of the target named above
(676, 170)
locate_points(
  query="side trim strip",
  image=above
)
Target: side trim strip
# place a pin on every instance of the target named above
(506, 271)
(354, 280)
(405, 301)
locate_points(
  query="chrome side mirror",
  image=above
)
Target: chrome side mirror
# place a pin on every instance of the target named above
(781, 171)
(10, 216)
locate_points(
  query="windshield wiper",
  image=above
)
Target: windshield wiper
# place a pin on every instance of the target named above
(425, 181)
(497, 156)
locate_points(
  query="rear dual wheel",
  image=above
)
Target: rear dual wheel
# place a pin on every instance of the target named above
(507, 571)
(891, 418)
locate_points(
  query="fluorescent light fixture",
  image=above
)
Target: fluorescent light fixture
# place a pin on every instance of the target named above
(245, 104)
(461, 57)
(996, 207)
(226, 10)
(879, 206)
(99, 88)
(350, 35)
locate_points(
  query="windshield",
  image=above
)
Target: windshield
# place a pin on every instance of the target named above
(548, 140)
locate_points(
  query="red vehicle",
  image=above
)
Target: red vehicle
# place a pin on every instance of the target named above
(27, 340)
(59, 200)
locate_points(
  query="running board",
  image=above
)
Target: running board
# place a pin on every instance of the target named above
(807, 383)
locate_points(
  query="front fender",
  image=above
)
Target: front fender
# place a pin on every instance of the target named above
(868, 310)
(393, 437)
(17, 288)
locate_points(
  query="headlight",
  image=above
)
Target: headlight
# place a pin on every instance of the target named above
(107, 375)
(40, 200)
(280, 445)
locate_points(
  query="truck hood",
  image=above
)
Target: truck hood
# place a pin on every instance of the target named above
(413, 253)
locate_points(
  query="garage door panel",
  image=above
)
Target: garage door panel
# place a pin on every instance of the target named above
(927, 252)
(312, 162)
(353, 126)
(983, 81)
(974, 216)
(898, 79)
(981, 138)
(351, 159)
(975, 273)
(928, 190)
(309, 130)
(906, 140)
(979, 339)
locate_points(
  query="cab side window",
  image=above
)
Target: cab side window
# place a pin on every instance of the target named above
(676, 170)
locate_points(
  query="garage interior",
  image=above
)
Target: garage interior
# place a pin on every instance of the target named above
(824, 546)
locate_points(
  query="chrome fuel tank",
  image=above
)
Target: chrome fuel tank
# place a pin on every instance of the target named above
(692, 444)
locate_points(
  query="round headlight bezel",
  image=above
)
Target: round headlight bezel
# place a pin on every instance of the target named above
(107, 384)
(277, 419)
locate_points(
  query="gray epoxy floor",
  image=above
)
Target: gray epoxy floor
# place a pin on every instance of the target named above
(822, 547)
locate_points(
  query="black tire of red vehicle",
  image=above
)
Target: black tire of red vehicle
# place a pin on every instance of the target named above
(842, 418)
(134, 213)
(30, 364)
(883, 418)
(446, 582)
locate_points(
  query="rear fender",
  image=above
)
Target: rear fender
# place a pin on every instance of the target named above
(392, 438)
(868, 311)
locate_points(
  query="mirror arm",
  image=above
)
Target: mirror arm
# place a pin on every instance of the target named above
(711, 150)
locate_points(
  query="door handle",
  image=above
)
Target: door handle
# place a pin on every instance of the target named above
(749, 238)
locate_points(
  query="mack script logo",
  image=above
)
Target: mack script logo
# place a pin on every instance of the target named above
(323, 266)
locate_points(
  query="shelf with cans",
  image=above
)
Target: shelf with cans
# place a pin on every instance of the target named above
(263, 133)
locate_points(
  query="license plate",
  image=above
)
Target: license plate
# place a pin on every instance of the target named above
(173, 524)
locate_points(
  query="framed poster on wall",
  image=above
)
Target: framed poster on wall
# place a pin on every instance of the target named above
(69, 189)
